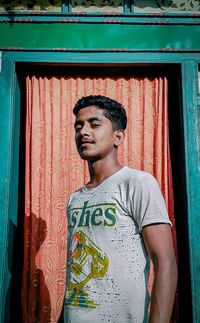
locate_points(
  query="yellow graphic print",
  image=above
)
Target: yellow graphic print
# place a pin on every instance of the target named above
(86, 261)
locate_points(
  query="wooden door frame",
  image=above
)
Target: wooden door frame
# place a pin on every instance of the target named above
(10, 131)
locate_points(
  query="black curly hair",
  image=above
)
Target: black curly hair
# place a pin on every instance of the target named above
(113, 110)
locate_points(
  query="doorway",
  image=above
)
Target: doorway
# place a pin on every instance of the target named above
(177, 160)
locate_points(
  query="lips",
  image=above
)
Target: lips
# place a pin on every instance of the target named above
(85, 142)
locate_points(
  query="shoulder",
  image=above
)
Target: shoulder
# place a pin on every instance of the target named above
(73, 196)
(136, 177)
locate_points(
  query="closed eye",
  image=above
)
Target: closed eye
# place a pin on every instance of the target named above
(78, 128)
(94, 125)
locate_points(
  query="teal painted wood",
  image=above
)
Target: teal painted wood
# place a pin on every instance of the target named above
(99, 37)
(99, 57)
(13, 197)
(128, 7)
(66, 6)
(125, 18)
(191, 115)
(9, 156)
(5, 143)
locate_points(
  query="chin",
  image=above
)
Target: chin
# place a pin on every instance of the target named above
(85, 156)
(88, 157)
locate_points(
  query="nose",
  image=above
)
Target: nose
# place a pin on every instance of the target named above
(84, 131)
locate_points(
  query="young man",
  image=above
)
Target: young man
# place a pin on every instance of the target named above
(115, 222)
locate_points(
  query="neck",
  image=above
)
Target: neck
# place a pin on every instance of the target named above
(101, 169)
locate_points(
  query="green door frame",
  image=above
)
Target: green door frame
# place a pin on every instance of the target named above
(9, 141)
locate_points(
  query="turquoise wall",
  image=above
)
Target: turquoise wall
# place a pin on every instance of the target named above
(99, 36)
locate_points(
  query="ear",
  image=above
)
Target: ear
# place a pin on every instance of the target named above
(119, 136)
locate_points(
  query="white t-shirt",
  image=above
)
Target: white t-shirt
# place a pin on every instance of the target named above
(108, 266)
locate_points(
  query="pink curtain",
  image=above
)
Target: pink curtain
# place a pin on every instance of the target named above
(54, 170)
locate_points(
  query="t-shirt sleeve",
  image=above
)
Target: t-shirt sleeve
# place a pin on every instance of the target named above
(147, 202)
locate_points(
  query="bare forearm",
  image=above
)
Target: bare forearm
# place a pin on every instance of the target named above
(159, 244)
(163, 292)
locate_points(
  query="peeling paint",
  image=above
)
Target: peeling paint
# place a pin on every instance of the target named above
(112, 21)
(168, 49)
(68, 20)
(23, 20)
(60, 49)
(13, 48)
(79, 13)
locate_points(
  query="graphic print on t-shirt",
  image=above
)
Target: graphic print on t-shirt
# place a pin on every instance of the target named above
(103, 214)
(86, 261)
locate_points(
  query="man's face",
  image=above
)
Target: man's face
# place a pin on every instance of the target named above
(94, 134)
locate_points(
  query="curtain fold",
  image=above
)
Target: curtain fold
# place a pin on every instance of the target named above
(54, 170)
